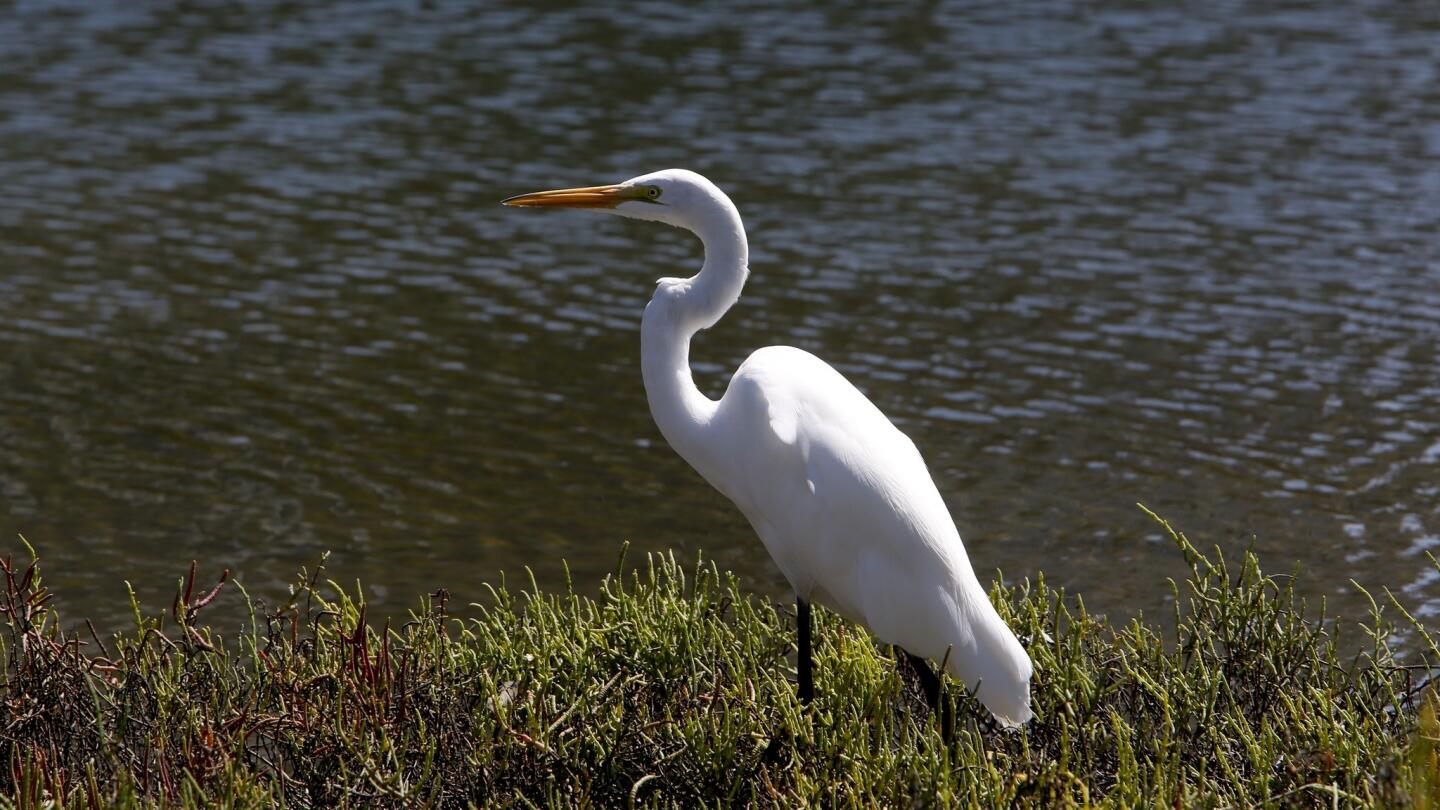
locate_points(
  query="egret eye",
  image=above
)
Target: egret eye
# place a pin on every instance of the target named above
(653, 192)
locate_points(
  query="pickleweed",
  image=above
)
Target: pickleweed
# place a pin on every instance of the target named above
(672, 686)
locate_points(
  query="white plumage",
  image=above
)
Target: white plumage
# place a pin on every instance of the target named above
(840, 497)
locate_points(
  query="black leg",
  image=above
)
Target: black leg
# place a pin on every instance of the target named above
(803, 663)
(804, 669)
(931, 686)
(929, 682)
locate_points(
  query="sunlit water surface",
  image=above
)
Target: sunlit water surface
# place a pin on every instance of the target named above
(257, 300)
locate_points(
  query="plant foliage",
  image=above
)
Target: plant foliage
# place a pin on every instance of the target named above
(671, 687)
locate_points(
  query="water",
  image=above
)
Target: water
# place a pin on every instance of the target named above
(257, 299)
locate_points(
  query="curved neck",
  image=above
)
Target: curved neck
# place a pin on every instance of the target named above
(679, 309)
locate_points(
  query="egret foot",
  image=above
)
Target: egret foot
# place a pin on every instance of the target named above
(775, 748)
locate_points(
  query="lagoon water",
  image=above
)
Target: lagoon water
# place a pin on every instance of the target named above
(258, 300)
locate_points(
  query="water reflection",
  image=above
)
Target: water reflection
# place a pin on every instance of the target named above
(258, 300)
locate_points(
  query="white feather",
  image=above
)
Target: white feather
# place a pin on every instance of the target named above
(839, 496)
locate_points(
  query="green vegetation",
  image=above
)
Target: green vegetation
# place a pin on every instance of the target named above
(671, 687)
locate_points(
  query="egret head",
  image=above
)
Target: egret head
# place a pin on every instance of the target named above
(673, 196)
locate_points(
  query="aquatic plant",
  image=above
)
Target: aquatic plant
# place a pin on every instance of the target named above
(670, 687)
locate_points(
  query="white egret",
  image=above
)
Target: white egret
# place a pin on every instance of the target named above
(839, 496)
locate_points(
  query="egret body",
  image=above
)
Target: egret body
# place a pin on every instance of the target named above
(840, 497)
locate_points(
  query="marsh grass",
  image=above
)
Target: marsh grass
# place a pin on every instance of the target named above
(672, 687)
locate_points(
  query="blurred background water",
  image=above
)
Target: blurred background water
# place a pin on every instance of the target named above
(258, 300)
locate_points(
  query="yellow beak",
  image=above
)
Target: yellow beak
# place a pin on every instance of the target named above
(588, 197)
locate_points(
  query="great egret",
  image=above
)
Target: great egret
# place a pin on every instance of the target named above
(839, 496)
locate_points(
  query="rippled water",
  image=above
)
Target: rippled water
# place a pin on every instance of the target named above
(257, 299)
